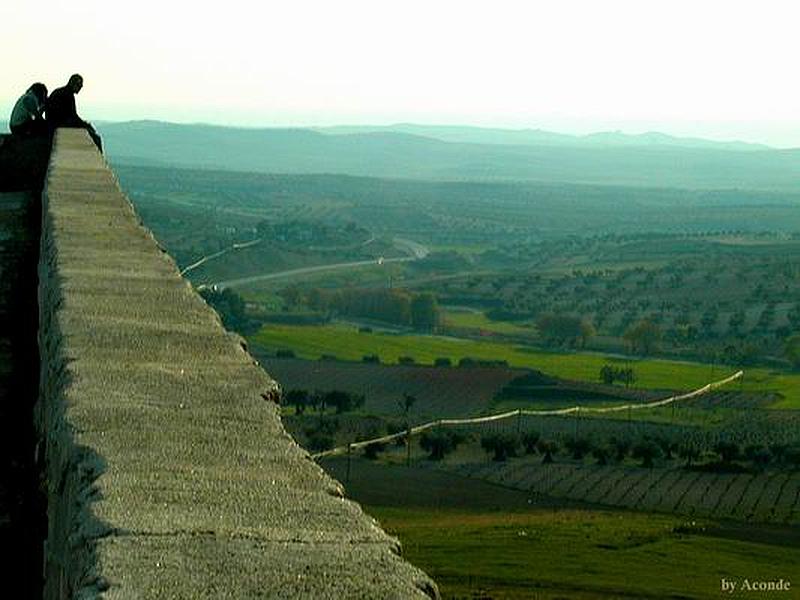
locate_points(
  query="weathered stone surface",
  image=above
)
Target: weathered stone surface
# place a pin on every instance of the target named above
(169, 472)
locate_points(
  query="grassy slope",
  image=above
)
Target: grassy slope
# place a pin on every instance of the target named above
(347, 343)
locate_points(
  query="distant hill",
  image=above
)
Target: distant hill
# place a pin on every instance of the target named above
(395, 154)
(539, 137)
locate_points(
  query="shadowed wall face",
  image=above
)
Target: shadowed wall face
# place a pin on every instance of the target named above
(23, 162)
(169, 472)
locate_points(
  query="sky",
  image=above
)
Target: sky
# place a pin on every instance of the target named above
(707, 68)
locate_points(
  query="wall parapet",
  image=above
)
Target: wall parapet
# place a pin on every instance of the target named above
(169, 473)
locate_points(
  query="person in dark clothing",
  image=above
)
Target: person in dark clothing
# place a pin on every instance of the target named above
(26, 117)
(61, 112)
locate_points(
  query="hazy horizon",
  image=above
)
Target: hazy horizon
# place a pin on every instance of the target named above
(715, 70)
(754, 133)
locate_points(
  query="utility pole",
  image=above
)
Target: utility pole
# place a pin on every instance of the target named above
(408, 446)
(349, 454)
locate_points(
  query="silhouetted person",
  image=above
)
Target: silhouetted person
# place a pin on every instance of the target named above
(26, 116)
(61, 111)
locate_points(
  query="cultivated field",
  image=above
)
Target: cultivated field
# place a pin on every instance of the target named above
(347, 343)
(768, 497)
(439, 391)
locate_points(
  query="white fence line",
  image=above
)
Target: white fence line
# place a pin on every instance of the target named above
(520, 411)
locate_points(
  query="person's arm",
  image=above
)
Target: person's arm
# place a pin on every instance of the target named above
(32, 107)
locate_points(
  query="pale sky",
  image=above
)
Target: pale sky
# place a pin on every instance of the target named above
(716, 69)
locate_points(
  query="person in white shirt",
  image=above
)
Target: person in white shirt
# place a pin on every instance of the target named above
(26, 117)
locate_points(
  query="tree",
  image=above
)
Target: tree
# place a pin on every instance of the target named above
(439, 443)
(579, 447)
(609, 374)
(601, 453)
(406, 403)
(646, 451)
(792, 350)
(372, 450)
(299, 399)
(689, 452)
(667, 446)
(644, 337)
(425, 312)
(502, 445)
(343, 401)
(621, 448)
(564, 330)
(319, 442)
(758, 455)
(229, 305)
(529, 441)
(627, 376)
(728, 451)
(547, 448)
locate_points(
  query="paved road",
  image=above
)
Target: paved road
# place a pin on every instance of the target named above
(415, 250)
(205, 259)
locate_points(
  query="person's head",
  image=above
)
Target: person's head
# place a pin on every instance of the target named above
(40, 91)
(75, 83)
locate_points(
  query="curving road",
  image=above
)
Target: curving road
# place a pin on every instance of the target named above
(415, 250)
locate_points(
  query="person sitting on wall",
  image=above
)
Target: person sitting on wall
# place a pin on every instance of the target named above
(26, 116)
(60, 109)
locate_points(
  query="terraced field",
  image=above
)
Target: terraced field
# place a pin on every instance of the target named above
(767, 497)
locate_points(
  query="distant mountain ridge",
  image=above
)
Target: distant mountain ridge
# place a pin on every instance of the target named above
(644, 161)
(537, 137)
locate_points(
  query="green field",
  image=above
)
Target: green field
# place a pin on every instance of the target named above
(576, 554)
(482, 541)
(469, 319)
(347, 343)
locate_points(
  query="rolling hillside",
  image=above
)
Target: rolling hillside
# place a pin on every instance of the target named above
(403, 155)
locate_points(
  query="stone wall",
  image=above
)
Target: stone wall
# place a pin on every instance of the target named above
(169, 474)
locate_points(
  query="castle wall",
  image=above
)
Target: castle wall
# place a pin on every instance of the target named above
(169, 473)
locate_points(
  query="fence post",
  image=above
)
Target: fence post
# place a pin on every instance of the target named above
(349, 454)
(577, 420)
(519, 421)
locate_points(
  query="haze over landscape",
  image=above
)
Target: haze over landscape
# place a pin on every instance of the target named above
(715, 69)
(528, 274)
